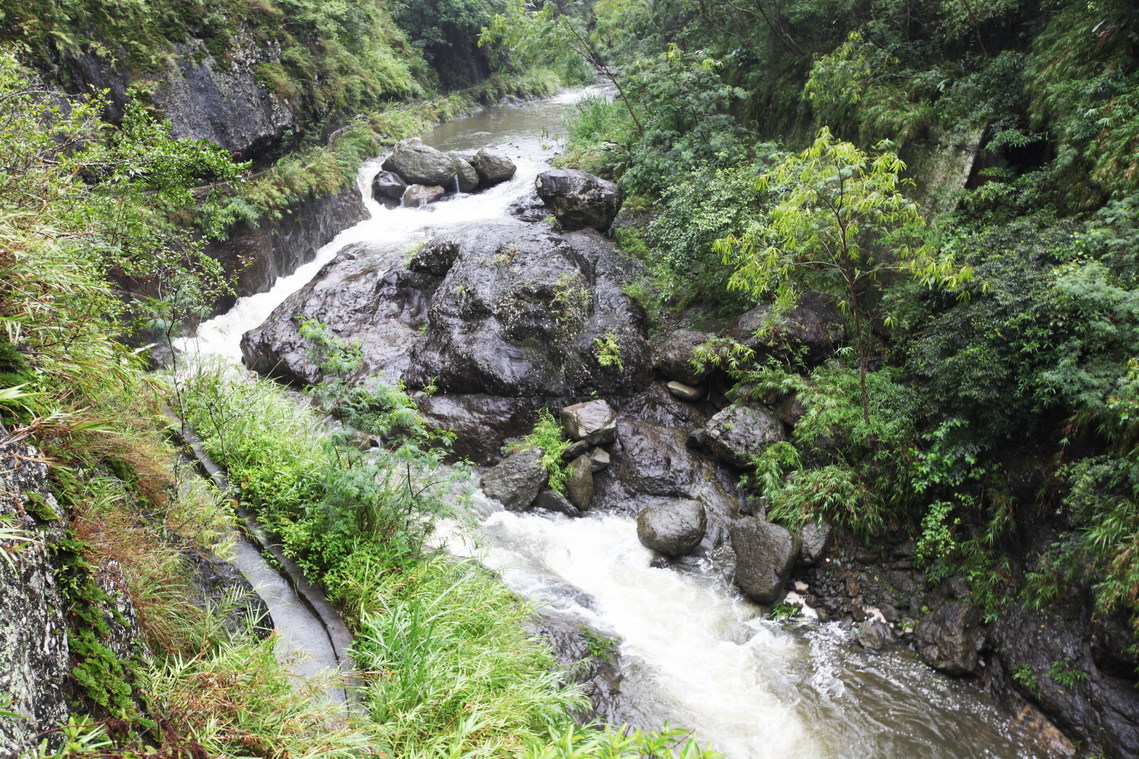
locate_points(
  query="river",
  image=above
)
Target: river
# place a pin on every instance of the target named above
(696, 654)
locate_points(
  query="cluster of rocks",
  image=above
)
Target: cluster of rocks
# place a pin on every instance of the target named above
(416, 174)
(520, 481)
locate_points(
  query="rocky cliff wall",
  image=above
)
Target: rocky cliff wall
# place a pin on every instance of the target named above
(34, 655)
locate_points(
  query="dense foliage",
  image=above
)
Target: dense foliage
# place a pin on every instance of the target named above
(1027, 372)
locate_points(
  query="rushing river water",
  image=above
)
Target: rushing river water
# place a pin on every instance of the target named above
(696, 654)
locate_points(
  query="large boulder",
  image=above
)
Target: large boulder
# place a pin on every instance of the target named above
(482, 423)
(815, 538)
(672, 526)
(765, 555)
(579, 200)
(521, 313)
(466, 178)
(949, 638)
(492, 167)
(364, 296)
(650, 461)
(417, 163)
(739, 433)
(517, 481)
(591, 422)
(812, 329)
(387, 185)
(672, 357)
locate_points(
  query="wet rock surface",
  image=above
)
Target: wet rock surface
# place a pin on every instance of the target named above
(34, 656)
(813, 328)
(673, 527)
(520, 313)
(591, 422)
(739, 433)
(363, 295)
(765, 554)
(949, 638)
(1048, 658)
(672, 357)
(593, 661)
(417, 163)
(492, 167)
(517, 481)
(579, 200)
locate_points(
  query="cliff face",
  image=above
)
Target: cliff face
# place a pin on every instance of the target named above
(223, 101)
(34, 655)
(215, 97)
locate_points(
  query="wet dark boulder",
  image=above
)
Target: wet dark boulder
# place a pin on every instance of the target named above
(579, 200)
(387, 185)
(417, 163)
(949, 638)
(482, 423)
(813, 328)
(579, 482)
(492, 167)
(672, 357)
(466, 177)
(765, 555)
(517, 481)
(815, 538)
(1049, 658)
(652, 461)
(739, 433)
(436, 256)
(555, 502)
(671, 526)
(365, 296)
(522, 313)
(592, 660)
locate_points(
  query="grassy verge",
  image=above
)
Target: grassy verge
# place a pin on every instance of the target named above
(448, 664)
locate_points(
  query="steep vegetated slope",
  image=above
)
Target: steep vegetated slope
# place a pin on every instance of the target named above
(982, 419)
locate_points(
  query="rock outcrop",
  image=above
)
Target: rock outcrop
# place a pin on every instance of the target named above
(739, 433)
(765, 555)
(579, 200)
(35, 660)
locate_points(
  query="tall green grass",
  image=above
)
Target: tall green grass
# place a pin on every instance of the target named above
(449, 665)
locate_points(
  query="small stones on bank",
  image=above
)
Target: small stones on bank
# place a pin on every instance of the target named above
(519, 485)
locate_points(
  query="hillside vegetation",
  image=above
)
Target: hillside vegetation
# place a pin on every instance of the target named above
(988, 407)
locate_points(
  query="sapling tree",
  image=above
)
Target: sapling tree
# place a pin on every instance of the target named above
(842, 225)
